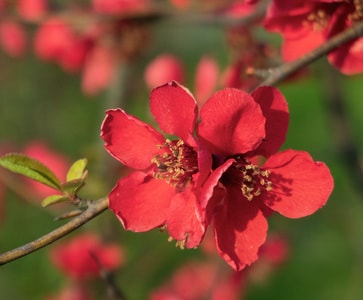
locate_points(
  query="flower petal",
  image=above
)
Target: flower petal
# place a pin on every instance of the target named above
(275, 110)
(348, 58)
(231, 123)
(240, 229)
(141, 202)
(212, 182)
(131, 141)
(204, 167)
(184, 220)
(295, 48)
(175, 110)
(300, 186)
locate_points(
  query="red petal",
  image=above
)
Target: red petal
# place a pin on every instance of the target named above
(231, 123)
(240, 229)
(348, 58)
(275, 110)
(212, 182)
(175, 110)
(204, 167)
(141, 202)
(131, 141)
(185, 219)
(300, 186)
(295, 48)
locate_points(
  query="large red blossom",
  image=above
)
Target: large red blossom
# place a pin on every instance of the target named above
(240, 193)
(305, 25)
(173, 184)
(163, 189)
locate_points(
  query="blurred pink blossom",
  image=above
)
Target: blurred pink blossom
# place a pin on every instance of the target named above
(164, 68)
(99, 69)
(85, 255)
(167, 67)
(74, 291)
(201, 280)
(32, 10)
(114, 7)
(12, 38)
(56, 41)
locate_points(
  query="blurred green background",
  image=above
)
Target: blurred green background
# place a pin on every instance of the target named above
(38, 101)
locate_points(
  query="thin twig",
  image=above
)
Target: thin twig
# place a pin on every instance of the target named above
(95, 208)
(283, 71)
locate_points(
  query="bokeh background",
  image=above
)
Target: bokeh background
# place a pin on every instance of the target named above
(41, 102)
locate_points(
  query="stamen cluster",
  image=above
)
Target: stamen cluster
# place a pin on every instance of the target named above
(177, 164)
(251, 179)
(357, 14)
(319, 19)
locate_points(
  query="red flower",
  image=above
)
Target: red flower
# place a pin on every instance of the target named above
(240, 194)
(85, 255)
(75, 291)
(305, 25)
(99, 69)
(12, 38)
(115, 7)
(162, 191)
(164, 68)
(32, 10)
(57, 41)
(167, 67)
(196, 280)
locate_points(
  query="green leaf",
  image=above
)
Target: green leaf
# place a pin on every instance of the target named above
(54, 199)
(31, 168)
(72, 187)
(77, 170)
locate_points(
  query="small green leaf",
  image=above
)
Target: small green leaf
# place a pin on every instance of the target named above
(77, 170)
(31, 168)
(73, 186)
(54, 199)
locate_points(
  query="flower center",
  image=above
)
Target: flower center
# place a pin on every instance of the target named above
(177, 164)
(251, 179)
(357, 14)
(318, 19)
